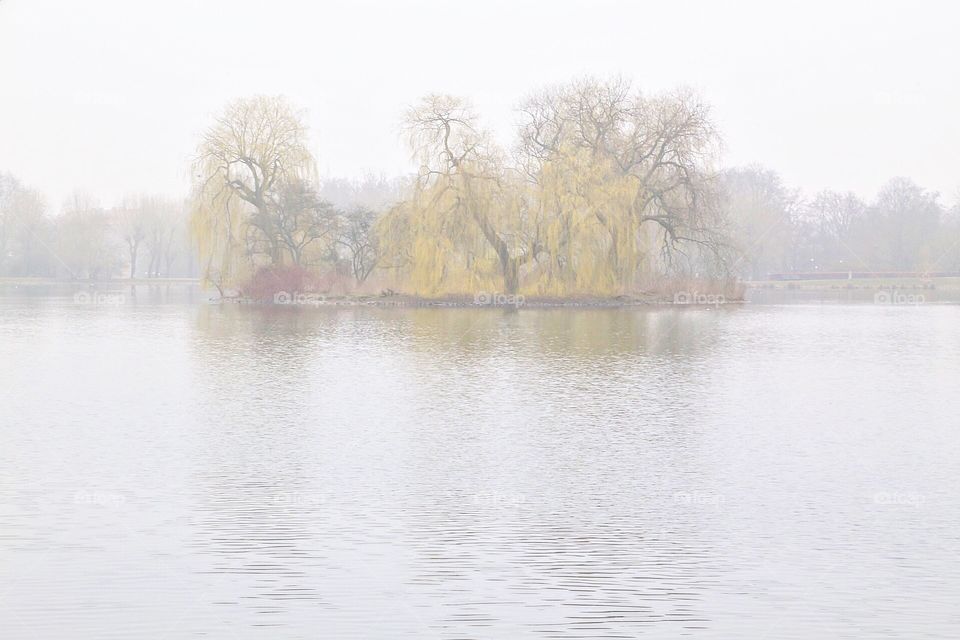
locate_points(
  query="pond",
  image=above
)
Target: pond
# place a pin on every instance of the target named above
(175, 469)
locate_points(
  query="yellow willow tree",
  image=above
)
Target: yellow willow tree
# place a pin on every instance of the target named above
(467, 225)
(587, 246)
(607, 185)
(620, 176)
(247, 164)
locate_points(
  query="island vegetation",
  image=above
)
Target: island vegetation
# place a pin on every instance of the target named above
(604, 192)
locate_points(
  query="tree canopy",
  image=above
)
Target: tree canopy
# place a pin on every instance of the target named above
(604, 185)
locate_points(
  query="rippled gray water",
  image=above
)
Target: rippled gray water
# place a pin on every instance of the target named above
(170, 469)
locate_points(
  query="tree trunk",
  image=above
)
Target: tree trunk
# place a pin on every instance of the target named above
(614, 254)
(509, 266)
(511, 276)
(133, 261)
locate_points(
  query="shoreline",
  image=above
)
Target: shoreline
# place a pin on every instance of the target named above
(45, 281)
(493, 300)
(465, 302)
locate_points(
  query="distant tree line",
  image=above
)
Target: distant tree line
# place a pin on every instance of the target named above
(904, 228)
(149, 236)
(145, 237)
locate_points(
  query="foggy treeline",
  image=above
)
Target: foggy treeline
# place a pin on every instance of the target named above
(144, 236)
(903, 228)
(604, 190)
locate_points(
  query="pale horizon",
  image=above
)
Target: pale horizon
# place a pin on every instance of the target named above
(111, 98)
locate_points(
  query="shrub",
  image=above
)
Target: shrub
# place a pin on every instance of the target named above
(268, 282)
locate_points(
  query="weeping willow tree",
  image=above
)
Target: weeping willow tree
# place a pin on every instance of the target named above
(589, 243)
(607, 185)
(627, 180)
(466, 225)
(252, 201)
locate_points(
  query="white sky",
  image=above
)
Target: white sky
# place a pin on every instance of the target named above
(110, 95)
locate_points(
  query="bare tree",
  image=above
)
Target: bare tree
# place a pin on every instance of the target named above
(358, 239)
(86, 245)
(24, 230)
(166, 233)
(835, 216)
(762, 213)
(899, 229)
(132, 222)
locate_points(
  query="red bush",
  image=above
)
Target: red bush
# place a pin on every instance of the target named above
(269, 282)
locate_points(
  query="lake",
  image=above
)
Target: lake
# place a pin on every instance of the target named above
(175, 469)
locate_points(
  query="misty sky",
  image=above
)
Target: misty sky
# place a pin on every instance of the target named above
(110, 95)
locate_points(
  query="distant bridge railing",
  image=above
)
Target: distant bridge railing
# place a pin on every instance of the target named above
(854, 275)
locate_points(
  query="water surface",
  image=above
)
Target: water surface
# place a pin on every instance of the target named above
(173, 469)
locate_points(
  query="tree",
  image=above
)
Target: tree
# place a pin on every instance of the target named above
(133, 229)
(602, 153)
(899, 228)
(763, 215)
(946, 246)
(302, 219)
(165, 233)
(605, 183)
(24, 230)
(836, 217)
(255, 151)
(9, 190)
(461, 227)
(358, 239)
(86, 244)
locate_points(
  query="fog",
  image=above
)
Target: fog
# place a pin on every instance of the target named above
(479, 319)
(110, 96)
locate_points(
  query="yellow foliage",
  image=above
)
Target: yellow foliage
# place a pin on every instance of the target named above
(576, 218)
